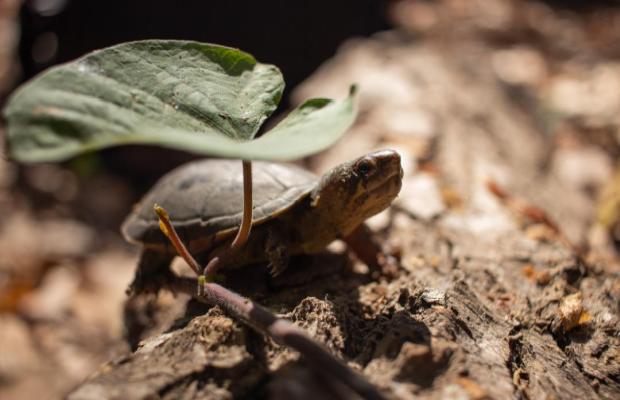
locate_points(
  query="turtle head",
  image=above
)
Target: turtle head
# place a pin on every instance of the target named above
(356, 190)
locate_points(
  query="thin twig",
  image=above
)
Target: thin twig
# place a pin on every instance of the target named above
(264, 321)
(211, 268)
(171, 233)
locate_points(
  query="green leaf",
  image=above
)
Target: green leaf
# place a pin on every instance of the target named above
(192, 96)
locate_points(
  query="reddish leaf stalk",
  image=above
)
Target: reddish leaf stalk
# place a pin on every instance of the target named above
(246, 219)
(244, 228)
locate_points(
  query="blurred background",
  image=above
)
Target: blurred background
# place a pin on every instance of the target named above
(553, 64)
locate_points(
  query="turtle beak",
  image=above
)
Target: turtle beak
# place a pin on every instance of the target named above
(381, 179)
(388, 170)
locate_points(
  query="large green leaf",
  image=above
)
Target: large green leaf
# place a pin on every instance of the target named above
(198, 97)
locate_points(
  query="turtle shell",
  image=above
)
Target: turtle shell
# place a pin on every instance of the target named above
(205, 197)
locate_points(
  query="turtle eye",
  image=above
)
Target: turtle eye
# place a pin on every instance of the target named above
(365, 166)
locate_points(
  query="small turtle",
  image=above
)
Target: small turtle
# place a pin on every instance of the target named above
(294, 211)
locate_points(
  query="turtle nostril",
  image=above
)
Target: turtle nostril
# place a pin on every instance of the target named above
(186, 184)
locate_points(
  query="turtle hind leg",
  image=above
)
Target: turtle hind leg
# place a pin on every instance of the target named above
(153, 269)
(141, 305)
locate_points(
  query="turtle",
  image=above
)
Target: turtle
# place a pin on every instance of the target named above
(294, 210)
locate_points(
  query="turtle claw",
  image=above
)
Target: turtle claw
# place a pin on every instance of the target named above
(276, 269)
(278, 260)
(277, 252)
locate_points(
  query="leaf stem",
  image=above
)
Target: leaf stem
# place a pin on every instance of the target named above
(246, 219)
(244, 228)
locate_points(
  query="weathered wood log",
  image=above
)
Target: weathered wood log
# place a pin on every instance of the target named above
(489, 300)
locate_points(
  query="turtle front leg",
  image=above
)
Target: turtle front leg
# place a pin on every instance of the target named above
(277, 250)
(368, 250)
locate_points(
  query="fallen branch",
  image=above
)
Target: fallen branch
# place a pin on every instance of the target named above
(262, 320)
